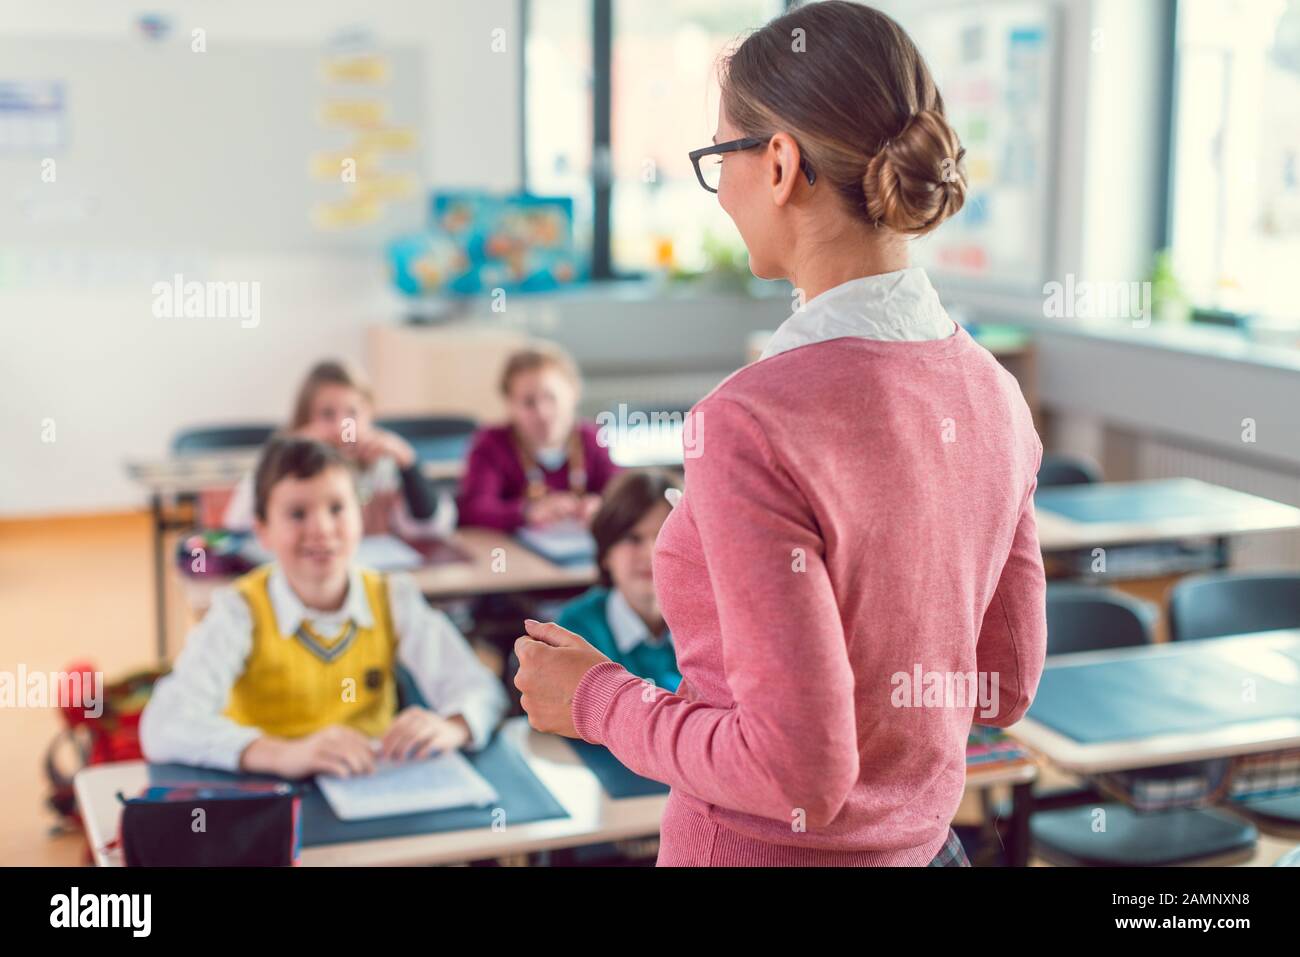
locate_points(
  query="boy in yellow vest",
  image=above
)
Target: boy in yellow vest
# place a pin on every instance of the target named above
(291, 672)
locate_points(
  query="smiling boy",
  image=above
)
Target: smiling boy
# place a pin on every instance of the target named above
(292, 670)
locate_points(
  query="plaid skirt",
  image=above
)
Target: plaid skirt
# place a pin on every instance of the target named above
(952, 854)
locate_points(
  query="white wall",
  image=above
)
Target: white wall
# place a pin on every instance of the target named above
(472, 99)
(78, 342)
(119, 385)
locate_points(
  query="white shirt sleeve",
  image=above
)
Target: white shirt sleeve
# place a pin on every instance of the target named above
(183, 720)
(239, 510)
(445, 669)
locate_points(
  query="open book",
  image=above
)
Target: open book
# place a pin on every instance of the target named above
(443, 781)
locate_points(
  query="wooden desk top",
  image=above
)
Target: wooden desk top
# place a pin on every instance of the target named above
(594, 817)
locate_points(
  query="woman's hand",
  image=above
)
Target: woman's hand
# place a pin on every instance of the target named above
(552, 662)
(417, 733)
(337, 750)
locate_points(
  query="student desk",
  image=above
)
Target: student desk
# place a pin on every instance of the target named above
(1124, 513)
(1099, 711)
(498, 564)
(593, 818)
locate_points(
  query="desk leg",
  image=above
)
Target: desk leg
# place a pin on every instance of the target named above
(1022, 805)
(1222, 555)
(159, 578)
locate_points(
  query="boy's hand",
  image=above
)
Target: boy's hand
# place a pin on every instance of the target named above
(417, 733)
(337, 750)
(380, 443)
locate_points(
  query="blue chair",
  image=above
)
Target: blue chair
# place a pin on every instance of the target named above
(1083, 618)
(1133, 839)
(1088, 618)
(1066, 470)
(220, 438)
(1232, 603)
(434, 438)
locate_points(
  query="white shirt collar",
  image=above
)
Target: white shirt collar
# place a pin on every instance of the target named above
(290, 612)
(900, 306)
(625, 624)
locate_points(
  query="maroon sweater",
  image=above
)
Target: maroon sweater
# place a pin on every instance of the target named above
(492, 490)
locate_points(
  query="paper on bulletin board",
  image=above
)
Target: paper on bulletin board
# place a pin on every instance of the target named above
(32, 116)
(995, 66)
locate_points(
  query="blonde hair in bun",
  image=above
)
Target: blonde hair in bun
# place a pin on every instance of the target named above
(860, 101)
(917, 179)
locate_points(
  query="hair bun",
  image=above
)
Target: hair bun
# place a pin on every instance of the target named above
(916, 180)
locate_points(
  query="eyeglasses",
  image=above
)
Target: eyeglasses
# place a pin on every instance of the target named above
(710, 174)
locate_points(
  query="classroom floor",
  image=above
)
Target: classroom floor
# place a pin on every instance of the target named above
(81, 588)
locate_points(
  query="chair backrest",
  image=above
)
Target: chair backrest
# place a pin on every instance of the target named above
(217, 438)
(1066, 470)
(1233, 603)
(1088, 618)
(434, 438)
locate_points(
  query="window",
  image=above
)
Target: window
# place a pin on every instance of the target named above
(1235, 203)
(618, 92)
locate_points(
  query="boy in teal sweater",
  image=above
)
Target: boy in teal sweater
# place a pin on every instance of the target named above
(621, 616)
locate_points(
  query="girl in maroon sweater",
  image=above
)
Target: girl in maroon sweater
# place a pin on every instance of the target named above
(542, 466)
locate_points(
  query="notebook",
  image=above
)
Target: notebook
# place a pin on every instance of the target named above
(564, 543)
(411, 787)
(386, 553)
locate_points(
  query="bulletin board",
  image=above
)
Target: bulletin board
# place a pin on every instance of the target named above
(237, 148)
(996, 66)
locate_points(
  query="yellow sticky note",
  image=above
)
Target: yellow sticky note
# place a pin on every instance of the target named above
(356, 69)
(345, 214)
(393, 140)
(358, 113)
(381, 186)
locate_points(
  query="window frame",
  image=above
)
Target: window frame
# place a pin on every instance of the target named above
(602, 180)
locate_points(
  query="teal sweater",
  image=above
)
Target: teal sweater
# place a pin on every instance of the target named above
(586, 616)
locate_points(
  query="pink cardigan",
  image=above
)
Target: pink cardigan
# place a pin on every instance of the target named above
(861, 515)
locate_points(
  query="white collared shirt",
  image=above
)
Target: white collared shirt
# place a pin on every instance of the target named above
(184, 720)
(627, 627)
(900, 306)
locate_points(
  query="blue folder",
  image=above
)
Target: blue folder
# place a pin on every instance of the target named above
(1143, 502)
(1161, 694)
(614, 776)
(522, 797)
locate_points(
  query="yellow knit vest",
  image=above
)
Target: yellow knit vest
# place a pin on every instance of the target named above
(289, 690)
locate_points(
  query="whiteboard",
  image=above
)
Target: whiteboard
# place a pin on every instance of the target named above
(161, 147)
(996, 68)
